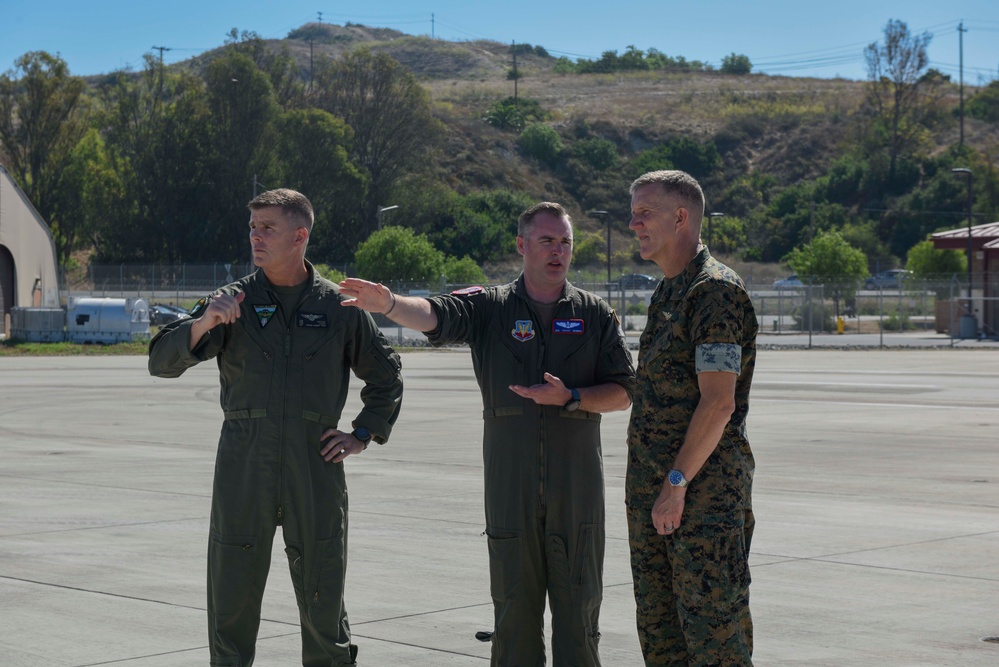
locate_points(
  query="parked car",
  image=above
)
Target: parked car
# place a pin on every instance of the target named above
(791, 282)
(161, 313)
(890, 279)
(637, 281)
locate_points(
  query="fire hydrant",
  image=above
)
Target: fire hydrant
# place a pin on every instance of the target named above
(840, 324)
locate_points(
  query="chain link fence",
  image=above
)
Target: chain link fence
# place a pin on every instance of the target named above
(843, 307)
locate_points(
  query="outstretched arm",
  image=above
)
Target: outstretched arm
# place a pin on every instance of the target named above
(409, 311)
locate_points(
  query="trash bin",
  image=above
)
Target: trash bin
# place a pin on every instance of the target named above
(968, 327)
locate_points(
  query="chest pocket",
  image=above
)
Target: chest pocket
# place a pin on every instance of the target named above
(669, 359)
(247, 372)
(325, 374)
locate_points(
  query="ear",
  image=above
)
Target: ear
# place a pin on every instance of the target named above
(520, 244)
(301, 235)
(683, 218)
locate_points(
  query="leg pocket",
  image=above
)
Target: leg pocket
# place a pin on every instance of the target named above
(237, 573)
(504, 564)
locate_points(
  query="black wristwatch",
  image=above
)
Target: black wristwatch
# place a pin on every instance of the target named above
(573, 403)
(362, 434)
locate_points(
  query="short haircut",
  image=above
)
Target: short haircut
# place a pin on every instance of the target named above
(293, 204)
(526, 220)
(675, 183)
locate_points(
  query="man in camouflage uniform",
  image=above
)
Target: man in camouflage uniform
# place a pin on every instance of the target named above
(548, 358)
(690, 467)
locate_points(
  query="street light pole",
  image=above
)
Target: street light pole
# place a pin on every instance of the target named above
(382, 209)
(968, 174)
(607, 215)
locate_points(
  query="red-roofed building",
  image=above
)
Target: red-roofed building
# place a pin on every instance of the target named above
(984, 270)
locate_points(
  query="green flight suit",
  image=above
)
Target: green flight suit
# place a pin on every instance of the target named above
(692, 586)
(544, 486)
(284, 381)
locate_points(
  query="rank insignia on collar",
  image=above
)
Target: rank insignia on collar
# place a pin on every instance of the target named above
(523, 330)
(572, 326)
(265, 313)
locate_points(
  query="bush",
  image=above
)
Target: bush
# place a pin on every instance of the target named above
(396, 253)
(736, 64)
(515, 114)
(596, 152)
(331, 274)
(542, 143)
(463, 271)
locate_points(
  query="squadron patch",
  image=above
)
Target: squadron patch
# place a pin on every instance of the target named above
(571, 326)
(199, 307)
(312, 320)
(523, 330)
(265, 313)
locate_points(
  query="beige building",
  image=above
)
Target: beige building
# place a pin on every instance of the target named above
(28, 273)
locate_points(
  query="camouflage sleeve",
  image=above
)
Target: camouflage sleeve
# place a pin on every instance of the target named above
(717, 325)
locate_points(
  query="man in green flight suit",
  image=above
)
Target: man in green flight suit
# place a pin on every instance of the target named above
(548, 359)
(285, 350)
(690, 468)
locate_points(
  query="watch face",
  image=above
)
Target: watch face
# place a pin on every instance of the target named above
(362, 434)
(676, 478)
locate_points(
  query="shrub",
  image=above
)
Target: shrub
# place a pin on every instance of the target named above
(542, 143)
(596, 152)
(736, 64)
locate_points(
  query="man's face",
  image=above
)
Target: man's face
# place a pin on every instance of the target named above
(274, 237)
(547, 249)
(653, 219)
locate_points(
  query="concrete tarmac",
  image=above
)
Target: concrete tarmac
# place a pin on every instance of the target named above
(876, 496)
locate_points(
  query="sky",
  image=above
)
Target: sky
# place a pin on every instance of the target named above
(783, 37)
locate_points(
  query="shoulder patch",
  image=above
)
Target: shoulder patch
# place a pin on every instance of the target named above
(200, 306)
(468, 291)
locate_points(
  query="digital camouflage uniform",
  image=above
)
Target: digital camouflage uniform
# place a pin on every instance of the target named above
(544, 487)
(692, 587)
(282, 386)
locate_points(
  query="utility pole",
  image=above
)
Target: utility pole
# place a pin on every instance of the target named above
(320, 18)
(513, 50)
(960, 33)
(161, 49)
(432, 25)
(310, 64)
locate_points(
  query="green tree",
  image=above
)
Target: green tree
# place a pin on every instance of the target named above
(736, 64)
(241, 124)
(396, 253)
(598, 153)
(463, 271)
(158, 136)
(312, 147)
(277, 63)
(41, 121)
(88, 190)
(395, 131)
(985, 104)
(829, 260)
(895, 92)
(542, 143)
(925, 261)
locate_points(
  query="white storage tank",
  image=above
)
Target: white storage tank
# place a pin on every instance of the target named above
(106, 320)
(38, 325)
